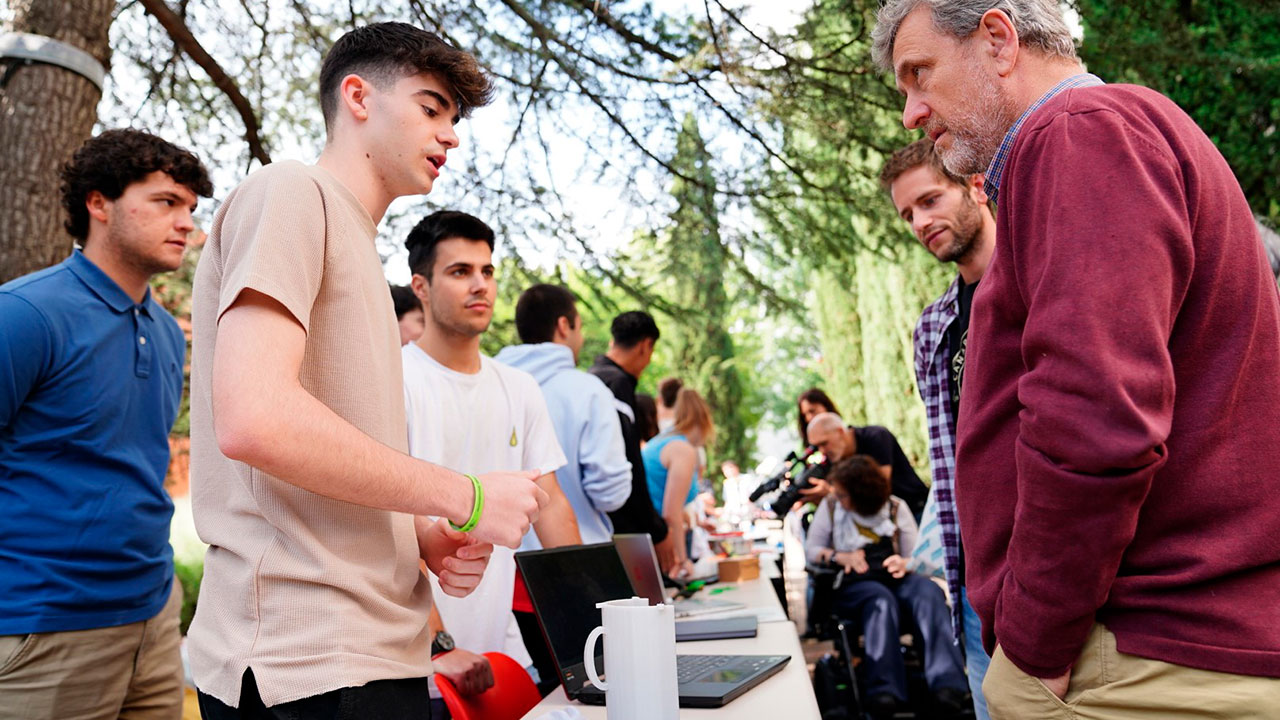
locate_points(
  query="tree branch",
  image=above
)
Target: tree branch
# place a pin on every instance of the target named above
(182, 37)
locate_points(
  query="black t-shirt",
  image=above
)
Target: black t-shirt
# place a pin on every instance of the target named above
(637, 514)
(957, 343)
(883, 447)
(957, 340)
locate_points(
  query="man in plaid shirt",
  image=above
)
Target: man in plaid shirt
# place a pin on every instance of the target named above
(950, 216)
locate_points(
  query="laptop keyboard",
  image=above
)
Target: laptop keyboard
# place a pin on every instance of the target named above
(692, 667)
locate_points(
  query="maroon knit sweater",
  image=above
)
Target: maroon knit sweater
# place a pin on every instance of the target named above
(1119, 439)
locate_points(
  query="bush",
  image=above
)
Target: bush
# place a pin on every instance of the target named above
(189, 574)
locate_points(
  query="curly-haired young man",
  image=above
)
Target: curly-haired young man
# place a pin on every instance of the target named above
(90, 384)
(313, 604)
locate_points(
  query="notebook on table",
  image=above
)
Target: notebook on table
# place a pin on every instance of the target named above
(566, 583)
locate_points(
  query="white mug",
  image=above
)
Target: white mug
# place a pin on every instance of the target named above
(639, 658)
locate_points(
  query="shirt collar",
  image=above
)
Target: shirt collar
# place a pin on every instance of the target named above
(606, 360)
(103, 286)
(992, 185)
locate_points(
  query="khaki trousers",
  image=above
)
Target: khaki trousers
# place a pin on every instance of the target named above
(131, 671)
(1109, 685)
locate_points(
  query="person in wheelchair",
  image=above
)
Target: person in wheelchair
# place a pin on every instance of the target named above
(868, 534)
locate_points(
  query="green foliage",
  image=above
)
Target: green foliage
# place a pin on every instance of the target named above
(189, 574)
(1219, 60)
(870, 280)
(693, 273)
(866, 323)
(173, 291)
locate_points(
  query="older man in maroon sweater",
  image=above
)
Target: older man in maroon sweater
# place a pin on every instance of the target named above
(1119, 439)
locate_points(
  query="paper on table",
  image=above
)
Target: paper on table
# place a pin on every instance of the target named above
(561, 714)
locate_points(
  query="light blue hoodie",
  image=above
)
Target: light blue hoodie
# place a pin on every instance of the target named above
(597, 478)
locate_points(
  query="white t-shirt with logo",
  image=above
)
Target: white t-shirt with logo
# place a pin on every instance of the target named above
(492, 420)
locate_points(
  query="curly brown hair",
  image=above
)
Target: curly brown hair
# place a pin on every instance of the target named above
(116, 159)
(860, 476)
(385, 52)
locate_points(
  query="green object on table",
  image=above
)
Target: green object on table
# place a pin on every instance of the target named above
(717, 591)
(688, 590)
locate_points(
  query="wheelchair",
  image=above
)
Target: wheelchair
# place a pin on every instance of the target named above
(838, 682)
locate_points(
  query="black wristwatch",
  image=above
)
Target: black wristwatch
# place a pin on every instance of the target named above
(441, 643)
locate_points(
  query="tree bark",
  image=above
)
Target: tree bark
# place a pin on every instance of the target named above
(46, 112)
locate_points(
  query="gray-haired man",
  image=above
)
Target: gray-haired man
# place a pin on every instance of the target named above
(1119, 388)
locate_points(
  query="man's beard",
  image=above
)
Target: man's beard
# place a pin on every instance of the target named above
(965, 229)
(133, 253)
(978, 129)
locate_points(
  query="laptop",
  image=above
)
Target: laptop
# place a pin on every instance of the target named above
(641, 562)
(566, 583)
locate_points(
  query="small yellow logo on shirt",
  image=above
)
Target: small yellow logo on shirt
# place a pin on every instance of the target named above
(514, 441)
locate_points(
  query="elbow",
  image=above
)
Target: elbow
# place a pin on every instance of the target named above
(618, 493)
(239, 434)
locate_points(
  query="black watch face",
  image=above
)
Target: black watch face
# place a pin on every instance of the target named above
(443, 642)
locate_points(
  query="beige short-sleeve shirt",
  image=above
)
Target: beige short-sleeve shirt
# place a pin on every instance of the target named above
(312, 593)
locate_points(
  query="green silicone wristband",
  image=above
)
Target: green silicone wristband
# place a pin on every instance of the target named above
(477, 507)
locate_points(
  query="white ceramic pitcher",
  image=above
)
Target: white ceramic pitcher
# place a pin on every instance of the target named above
(639, 658)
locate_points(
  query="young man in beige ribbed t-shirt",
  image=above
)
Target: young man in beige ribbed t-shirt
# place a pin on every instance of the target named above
(313, 604)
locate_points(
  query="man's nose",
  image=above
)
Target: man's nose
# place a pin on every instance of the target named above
(448, 137)
(184, 222)
(920, 222)
(914, 112)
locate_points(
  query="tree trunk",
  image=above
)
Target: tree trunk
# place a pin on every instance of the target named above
(46, 112)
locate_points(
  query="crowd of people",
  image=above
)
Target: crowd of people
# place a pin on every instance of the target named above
(363, 474)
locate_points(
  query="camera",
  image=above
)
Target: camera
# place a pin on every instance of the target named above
(791, 485)
(788, 497)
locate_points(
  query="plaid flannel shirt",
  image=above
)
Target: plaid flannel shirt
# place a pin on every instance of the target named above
(931, 359)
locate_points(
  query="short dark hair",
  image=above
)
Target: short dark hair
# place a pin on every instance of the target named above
(405, 301)
(383, 53)
(114, 160)
(540, 308)
(920, 152)
(436, 228)
(629, 328)
(860, 476)
(669, 390)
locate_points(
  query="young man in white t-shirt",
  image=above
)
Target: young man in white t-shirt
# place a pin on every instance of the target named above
(464, 409)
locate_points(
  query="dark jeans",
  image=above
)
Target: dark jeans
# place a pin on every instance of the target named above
(407, 699)
(543, 662)
(878, 606)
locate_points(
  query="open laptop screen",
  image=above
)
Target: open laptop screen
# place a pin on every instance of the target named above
(641, 563)
(565, 584)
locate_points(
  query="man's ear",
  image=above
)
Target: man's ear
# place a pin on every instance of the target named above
(998, 40)
(98, 205)
(419, 285)
(563, 327)
(978, 188)
(353, 95)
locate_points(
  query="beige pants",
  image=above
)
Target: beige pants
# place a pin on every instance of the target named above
(1109, 685)
(131, 671)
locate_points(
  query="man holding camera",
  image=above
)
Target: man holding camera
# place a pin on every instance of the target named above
(838, 441)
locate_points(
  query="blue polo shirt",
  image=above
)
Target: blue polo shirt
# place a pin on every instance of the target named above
(90, 384)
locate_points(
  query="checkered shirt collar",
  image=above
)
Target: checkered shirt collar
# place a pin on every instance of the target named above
(994, 171)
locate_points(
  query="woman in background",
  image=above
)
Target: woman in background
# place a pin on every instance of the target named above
(671, 466)
(812, 403)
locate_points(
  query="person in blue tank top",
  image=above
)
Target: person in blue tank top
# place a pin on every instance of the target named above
(671, 467)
